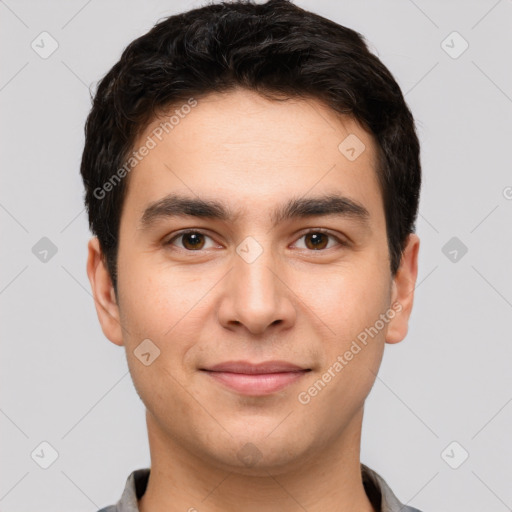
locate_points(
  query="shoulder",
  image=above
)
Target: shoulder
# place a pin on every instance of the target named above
(134, 488)
(380, 494)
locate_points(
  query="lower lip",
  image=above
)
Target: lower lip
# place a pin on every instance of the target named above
(257, 384)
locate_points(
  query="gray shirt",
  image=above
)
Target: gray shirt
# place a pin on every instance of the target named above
(378, 491)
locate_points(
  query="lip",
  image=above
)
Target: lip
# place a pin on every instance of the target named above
(256, 379)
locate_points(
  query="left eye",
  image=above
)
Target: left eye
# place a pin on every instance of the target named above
(318, 240)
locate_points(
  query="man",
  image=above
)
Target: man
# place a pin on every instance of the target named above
(252, 178)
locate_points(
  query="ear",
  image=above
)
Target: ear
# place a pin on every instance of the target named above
(103, 293)
(402, 293)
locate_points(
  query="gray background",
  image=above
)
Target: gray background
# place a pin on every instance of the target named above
(64, 383)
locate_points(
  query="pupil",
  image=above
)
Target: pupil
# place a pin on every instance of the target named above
(193, 239)
(316, 239)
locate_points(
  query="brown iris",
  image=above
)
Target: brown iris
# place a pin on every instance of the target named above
(314, 241)
(193, 240)
(318, 240)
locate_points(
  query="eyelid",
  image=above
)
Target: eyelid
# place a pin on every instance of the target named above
(186, 232)
(341, 241)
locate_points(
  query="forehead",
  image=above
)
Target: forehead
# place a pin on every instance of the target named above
(253, 152)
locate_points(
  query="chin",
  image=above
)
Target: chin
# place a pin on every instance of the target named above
(259, 455)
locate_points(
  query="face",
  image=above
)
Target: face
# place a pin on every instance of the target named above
(263, 284)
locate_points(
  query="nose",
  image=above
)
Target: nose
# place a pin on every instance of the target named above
(256, 296)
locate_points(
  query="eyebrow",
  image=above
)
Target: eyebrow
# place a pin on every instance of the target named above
(174, 205)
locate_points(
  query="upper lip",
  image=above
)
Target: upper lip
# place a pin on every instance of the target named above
(255, 368)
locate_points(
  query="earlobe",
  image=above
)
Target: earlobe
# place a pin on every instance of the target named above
(103, 292)
(402, 296)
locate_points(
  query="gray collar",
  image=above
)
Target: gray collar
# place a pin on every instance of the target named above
(378, 491)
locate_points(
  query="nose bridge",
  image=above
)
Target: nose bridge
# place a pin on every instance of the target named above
(256, 297)
(253, 274)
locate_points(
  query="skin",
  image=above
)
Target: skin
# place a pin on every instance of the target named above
(294, 303)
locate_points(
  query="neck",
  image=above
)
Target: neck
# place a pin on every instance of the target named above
(328, 480)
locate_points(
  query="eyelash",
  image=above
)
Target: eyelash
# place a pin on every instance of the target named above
(196, 231)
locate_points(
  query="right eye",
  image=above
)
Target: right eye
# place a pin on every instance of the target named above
(191, 240)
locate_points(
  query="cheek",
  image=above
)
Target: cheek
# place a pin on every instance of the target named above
(350, 299)
(151, 309)
(152, 298)
(166, 307)
(353, 351)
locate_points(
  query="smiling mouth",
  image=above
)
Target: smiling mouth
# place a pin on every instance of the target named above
(255, 379)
